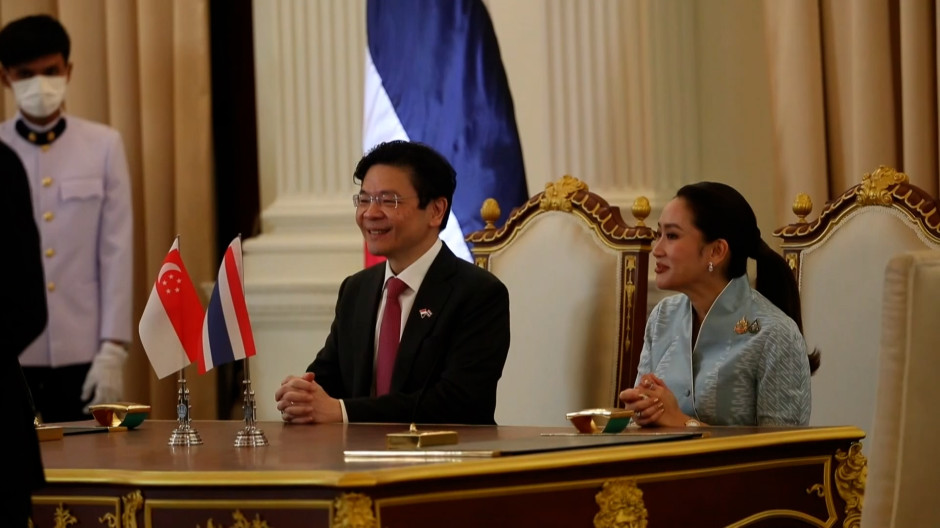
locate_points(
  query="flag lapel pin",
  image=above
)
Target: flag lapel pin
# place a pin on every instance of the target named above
(424, 313)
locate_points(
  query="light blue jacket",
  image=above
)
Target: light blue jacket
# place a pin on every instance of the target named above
(758, 377)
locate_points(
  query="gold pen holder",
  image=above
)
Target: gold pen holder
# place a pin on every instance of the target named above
(49, 432)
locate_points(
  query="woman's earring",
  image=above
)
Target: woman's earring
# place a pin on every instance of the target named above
(711, 267)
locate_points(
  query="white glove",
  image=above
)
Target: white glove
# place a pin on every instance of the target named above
(105, 378)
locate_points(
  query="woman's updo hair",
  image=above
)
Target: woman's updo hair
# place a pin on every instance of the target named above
(720, 212)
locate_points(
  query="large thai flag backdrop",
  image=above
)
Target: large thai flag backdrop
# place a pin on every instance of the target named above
(434, 75)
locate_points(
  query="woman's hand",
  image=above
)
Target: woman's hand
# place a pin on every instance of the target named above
(645, 403)
(653, 403)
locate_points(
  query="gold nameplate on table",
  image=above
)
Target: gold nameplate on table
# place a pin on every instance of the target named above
(414, 439)
(49, 432)
(594, 421)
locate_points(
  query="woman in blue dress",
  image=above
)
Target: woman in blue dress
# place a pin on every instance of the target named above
(720, 352)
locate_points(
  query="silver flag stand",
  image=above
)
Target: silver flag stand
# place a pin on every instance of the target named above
(250, 436)
(184, 434)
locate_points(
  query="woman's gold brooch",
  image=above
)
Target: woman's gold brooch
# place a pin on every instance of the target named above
(743, 326)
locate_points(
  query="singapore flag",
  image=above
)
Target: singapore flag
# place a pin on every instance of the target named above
(171, 325)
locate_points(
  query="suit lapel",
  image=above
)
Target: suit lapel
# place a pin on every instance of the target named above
(430, 300)
(364, 339)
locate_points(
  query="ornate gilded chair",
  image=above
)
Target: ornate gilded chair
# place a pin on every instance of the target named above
(904, 473)
(577, 280)
(839, 260)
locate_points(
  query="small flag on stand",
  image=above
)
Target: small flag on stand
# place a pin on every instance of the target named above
(171, 325)
(226, 335)
(226, 331)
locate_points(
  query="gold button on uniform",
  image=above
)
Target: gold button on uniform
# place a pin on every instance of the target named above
(48, 216)
(50, 286)
(47, 181)
(50, 252)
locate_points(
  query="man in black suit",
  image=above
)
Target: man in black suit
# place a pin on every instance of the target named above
(23, 320)
(453, 322)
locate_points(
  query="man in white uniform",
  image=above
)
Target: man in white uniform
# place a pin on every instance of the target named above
(82, 202)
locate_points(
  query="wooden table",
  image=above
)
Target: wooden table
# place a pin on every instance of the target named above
(730, 477)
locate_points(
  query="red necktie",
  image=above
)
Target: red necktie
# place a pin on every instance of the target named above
(389, 336)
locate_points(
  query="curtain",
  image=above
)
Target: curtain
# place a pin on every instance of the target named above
(853, 86)
(143, 68)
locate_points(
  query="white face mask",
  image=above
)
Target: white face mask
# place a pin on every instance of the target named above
(40, 95)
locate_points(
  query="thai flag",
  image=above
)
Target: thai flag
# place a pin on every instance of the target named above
(434, 75)
(170, 327)
(226, 331)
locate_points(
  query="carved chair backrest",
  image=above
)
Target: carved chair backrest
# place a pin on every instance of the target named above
(839, 260)
(577, 280)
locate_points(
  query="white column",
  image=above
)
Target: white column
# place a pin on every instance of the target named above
(309, 59)
(605, 90)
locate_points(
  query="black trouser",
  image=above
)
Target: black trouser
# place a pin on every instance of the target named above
(20, 508)
(57, 392)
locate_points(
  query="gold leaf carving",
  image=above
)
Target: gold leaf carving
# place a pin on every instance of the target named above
(791, 261)
(630, 288)
(620, 505)
(110, 519)
(557, 195)
(63, 517)
(132, 502)
(818, 489)
(480, 262)
(353, 510)
(874, 188)
(240, 522)
(851, 474)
